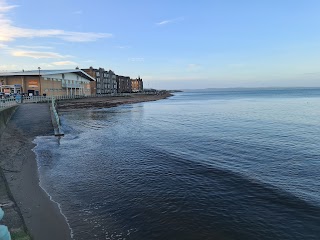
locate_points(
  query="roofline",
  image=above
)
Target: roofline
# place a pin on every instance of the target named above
(47, 72)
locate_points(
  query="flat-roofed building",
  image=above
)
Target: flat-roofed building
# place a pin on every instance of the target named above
(47, 82)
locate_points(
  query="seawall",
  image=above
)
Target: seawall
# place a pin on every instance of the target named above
(5, 115)
(42, 216)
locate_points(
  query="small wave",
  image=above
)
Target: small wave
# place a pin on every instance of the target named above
(35, 150)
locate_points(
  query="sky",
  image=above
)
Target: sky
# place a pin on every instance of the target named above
(170, 44)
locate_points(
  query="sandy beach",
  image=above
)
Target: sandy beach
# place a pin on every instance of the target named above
(41, 215)
(108, 101)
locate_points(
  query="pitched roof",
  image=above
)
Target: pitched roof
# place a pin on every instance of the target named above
(47, 72)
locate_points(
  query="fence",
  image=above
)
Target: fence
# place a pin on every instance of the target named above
(7, 102)
(57, 126)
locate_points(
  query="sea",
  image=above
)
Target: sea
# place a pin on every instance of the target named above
(214, 164)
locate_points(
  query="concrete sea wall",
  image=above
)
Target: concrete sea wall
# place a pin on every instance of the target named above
(5, 115)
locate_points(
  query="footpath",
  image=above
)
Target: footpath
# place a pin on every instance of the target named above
(29, 210)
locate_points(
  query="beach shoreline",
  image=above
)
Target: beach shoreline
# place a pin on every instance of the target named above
(43, 216)
(109, 101)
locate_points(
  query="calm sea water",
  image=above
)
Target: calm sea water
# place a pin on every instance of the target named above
(231, 164)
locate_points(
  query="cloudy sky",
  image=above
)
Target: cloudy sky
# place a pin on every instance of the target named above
(169, 43)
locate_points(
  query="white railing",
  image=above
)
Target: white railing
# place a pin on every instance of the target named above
(8, 102)
(98, 95)
(35, 99)
(58, 131)
(53, 105)
(38, 99)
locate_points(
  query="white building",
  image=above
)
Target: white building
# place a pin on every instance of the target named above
(48, 82)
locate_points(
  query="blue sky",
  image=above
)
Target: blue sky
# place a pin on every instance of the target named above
(170, 44)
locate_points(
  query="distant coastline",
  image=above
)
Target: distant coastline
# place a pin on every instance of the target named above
(248, 88)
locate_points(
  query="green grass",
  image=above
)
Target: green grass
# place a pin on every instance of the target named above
(19, 234)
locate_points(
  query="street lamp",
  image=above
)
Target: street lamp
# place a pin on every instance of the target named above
(39, 81)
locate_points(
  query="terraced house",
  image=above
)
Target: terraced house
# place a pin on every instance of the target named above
(105, 81)
(124, 84)
(137, 85)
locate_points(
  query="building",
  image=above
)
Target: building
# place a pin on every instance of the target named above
(105, 81)
(124, 84)
(137, 85)
(46, 82)
(93, 84)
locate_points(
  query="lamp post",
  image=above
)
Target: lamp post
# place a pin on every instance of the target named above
(39, 81)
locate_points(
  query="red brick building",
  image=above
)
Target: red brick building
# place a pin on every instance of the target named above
(137, 85)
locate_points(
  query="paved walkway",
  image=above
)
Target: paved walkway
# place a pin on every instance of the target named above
(33, 119)
(42, 217)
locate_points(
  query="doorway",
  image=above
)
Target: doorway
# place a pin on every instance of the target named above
(30, 93)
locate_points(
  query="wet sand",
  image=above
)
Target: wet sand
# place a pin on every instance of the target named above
(106, 102)
(42, 216)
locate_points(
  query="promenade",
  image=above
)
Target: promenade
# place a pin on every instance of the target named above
(42, 217)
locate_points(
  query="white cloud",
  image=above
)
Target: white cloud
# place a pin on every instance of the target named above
(174, 78)
(34, 47)
(4, 7)
(192, 67)
(122, 47)
(9, 32)
(88, 61)
(82, 36)
(44, 65)
(237, 65)
(36, 54)
(64, 63)
(77, 12)
(165, 22)
(8, 67)
(136, 59)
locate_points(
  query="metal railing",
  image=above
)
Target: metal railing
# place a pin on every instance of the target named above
(56, 118)
(35, 99)
(7, 102)
(53, 105)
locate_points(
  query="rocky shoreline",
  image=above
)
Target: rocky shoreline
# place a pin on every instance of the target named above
(109, 101)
